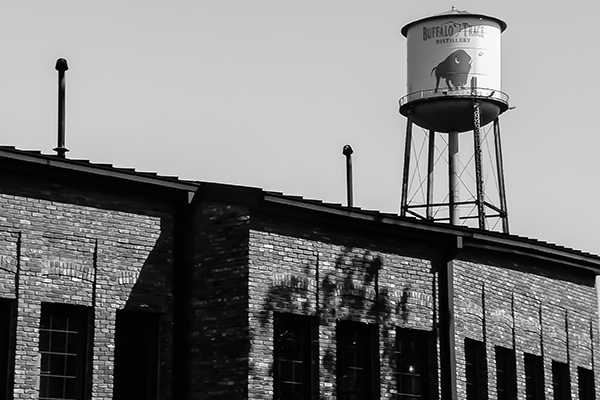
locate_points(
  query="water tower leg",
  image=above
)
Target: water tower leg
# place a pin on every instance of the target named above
(453, 165)
(430, 165)
(500, 168)
(405, 172)
(478, 165)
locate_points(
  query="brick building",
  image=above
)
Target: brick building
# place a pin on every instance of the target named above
(116, 284)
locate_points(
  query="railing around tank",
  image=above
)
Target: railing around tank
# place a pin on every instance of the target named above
(476, 92)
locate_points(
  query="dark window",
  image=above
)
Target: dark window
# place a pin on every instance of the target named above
(412, 364)
(7, 337)
(293, 356)
(561, 381)
(534, 377)
(136, 355)
(506, 374)
(63, 347)
(586, 384)
(355, 342)
(476, 370)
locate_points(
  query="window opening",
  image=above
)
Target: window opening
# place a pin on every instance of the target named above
(7, 340)
(476, 368)
(292, 356)
(354, 360)
(534, 377)
(136, 355)
(587, 390)
(412, 364)
(506, 374)
(561, 381)
(63, 347)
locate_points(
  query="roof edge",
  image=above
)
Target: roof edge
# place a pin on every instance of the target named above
(405, 28)
(472, 238)
(96, 169)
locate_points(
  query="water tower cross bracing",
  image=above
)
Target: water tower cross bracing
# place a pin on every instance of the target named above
(455, 97)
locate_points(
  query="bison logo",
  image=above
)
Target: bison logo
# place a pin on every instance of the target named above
(454, 69)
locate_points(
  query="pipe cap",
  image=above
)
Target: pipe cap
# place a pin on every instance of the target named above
(61, 65)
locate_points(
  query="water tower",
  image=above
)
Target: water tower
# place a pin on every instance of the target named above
(454, 96)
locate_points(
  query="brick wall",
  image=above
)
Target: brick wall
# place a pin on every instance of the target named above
(62, 233)
(522, 308)
(219, 303)
(305, 269)
(357, 280)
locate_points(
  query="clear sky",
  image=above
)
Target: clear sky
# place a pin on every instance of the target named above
(265, 93)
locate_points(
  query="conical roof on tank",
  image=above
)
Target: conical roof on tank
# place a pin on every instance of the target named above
(453, 12)
(454, 58)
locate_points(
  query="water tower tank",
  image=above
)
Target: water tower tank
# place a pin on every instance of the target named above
(453, 60)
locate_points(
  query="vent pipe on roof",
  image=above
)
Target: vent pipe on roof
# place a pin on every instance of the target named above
(61, 67)
(347, 151)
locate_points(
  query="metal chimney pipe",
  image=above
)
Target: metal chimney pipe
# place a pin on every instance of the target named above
(347, 151)
(61, 67)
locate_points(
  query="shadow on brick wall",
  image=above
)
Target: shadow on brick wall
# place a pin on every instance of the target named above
(353, 285)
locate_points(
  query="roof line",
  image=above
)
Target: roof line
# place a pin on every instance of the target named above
(112, 172)
(360, 214)
(474, 239)
(532, 246)
(544, 254)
